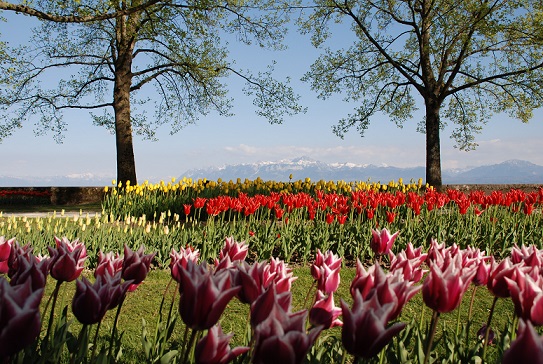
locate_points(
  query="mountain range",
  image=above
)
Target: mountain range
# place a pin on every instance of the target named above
(508, 172)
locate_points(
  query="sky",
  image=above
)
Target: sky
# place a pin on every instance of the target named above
(247, 138)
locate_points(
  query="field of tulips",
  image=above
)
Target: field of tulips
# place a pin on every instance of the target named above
(445, 245)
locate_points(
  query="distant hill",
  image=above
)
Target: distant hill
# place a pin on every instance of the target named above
(508, 172)
(72, 180)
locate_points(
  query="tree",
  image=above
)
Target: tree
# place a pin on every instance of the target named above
(466, 59)
(120, 47)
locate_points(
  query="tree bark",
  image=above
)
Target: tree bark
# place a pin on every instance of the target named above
(433, 147)
(126, 164)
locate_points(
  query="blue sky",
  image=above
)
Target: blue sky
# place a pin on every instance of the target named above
(247, 138)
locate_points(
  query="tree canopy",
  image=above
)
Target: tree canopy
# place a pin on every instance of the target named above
(111, 50)
(466, 59)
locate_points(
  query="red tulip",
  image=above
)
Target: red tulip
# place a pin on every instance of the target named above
(67, 260)
(214, 348)
(526, 348)
(19, 316)
(443, 290)
(136, 265)
(382, 241)
(204, 295)
(365, 332)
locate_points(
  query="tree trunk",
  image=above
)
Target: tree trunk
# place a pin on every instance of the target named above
(126, 164)
(433, 148)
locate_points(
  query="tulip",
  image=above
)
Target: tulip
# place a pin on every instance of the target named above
(181, 258)
(204, 295)
(527, 295)
(526, 348)
(281, 338)
(263, 305)
(19, 316)
(67, 260)
(5, 250)
(91, 301)
(214, 348)
(442, 291)
(30, 269)
(325, 270)
(108, 263)
(496, 282)
(136, 265)
(231, 252)
(324, 313)
(365, 332)
(381, 241)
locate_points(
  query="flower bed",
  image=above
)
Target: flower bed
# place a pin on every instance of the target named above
(371, 324)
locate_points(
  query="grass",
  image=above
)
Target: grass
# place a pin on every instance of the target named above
(144, 303)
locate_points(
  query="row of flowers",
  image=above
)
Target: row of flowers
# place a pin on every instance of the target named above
(144, 198)
(277, 334)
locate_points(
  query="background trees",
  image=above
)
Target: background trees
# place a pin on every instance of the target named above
(175, 46)
(465, 59)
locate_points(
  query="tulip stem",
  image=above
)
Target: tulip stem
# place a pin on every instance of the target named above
(433, 327)
(190, 345)
(487, 331)
(309, 293)
(94, 341)
(52, 314)
(114, 329)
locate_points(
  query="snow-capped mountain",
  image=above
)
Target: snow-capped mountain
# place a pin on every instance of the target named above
(508, 172)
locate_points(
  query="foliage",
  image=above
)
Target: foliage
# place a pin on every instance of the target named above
(177, 47)
(467, 60)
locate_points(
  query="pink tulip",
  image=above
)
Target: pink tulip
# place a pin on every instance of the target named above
(5, 250)
(29, 269)
(204, 295)
(67, 260)
(231, 252)
(19, 316)
(281, 338)
(381, 241)
(91, 301)
(390, 288)
(264, 304)
(108, 263)
(325, 270)
(324, 312)
(496, 282)
(531, 256)
(365, 332)
(136, 265)
(214, 348)
(527, 295)
(443, 290)
(181, 258)
(409, 263)
(526, 348)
